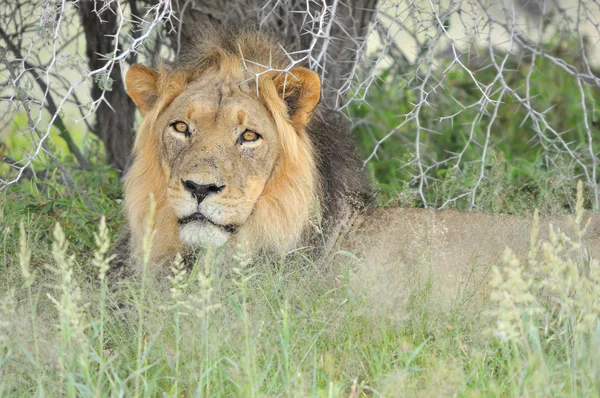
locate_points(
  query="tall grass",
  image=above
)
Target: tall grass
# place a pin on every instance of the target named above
(286, 328)
(546, 317)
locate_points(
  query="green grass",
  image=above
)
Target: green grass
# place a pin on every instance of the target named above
(260, 330)
(295, 328)
(272, 328)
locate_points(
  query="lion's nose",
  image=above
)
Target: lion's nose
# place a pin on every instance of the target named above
(201, 191)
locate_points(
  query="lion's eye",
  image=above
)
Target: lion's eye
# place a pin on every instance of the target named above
(249, 136)
(181, 127)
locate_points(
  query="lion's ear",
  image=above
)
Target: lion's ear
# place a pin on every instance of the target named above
(301, 91)
(142, 87)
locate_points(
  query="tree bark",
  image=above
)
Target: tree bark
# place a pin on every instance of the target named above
(113, 126)
(345, 45)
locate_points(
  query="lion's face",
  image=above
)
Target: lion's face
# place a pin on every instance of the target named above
(220, 147)
(223, 156)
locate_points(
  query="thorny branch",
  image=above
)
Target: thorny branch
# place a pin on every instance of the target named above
(421, 44)
(50, 104)
(39, 39)
(475, 36)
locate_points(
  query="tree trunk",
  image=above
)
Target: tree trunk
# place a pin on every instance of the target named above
(113, 126)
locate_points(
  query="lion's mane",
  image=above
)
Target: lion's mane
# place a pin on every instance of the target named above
(318, 178)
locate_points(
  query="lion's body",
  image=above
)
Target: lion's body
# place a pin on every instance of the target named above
(449, 251)
(234, 153)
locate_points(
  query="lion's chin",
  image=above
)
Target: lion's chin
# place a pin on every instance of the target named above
(203, 234)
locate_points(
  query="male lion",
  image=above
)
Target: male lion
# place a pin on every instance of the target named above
(236, 150)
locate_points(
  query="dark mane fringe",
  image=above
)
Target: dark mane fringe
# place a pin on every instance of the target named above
(344, 183)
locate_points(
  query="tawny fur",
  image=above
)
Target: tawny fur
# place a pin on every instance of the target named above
(317, 192)
(288, 202)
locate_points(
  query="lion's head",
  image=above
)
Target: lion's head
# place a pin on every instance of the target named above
(223, 147)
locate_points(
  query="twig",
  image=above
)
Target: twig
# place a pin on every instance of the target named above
(48, 104)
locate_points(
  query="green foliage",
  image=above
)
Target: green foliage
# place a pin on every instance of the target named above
(40, 205)
(519, 174)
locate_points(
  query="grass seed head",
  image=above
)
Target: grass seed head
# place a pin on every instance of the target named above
(25, 256)
(102, 239)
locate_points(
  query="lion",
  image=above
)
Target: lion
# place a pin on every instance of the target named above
(236, 149)
(234, 152)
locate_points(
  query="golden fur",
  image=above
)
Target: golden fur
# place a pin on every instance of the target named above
(287, 201)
